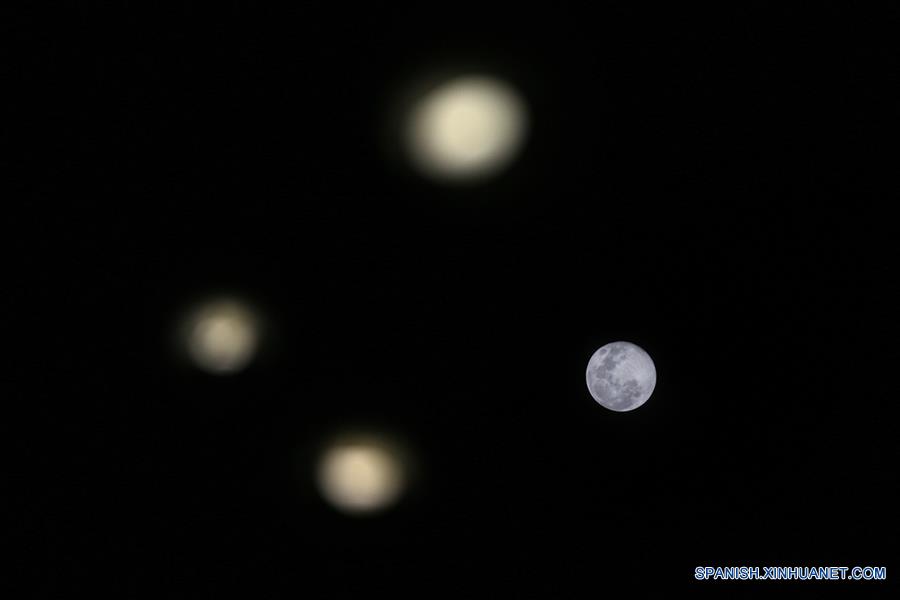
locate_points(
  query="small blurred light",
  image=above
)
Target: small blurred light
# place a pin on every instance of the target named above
(466, 129)
(222, 336)
(362, 474)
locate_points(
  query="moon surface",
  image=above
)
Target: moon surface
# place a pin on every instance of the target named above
(466, 128)
(621, 376)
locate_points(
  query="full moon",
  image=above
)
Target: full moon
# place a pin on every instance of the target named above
(621, 376)
(362, 474)
(466, 128)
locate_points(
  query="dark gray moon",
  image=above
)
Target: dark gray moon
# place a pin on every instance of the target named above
(621, 376)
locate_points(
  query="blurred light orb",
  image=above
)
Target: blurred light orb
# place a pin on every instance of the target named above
(361, 475)
(222, 336)
(467, 128)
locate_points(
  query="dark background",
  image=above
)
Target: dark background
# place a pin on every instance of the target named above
(713, 186)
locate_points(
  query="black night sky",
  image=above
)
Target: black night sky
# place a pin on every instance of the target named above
(715, 187)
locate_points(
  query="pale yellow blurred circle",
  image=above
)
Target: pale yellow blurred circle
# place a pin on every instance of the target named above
(361, 476)
(467, 128)
(222, 336)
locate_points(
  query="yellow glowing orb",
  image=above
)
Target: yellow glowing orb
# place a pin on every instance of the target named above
(222, 336)
(468, 128)
(361, 475)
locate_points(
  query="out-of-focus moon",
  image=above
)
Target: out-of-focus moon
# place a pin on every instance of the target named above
(222, 336)
(362, 474)
(466, 128)
(621, 376)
